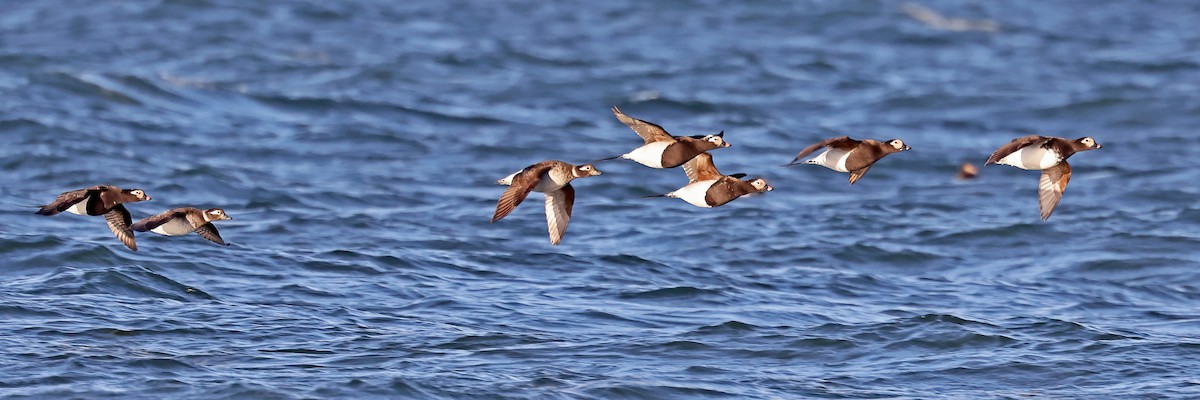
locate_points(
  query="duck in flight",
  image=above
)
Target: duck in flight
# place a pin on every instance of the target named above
(1046, 154)
(184, 220)
(844, 154)
(551, 177)
(100, 200)
(660, 149)
(708, 188)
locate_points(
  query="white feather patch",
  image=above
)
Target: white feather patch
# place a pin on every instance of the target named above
(507, 181)
(694, 193)
(834, 159)
(79, 208)
(649, 155)
(1031, 158)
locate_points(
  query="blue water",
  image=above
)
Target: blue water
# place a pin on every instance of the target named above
(357, 144)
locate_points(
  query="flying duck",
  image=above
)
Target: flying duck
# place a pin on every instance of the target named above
(100, 200)
(551, 177)
(1049, 155)
(661, 150)
(848, 155)
(184, 220)
(708, 188)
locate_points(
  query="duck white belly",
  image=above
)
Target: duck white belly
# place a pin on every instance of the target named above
(1032, 158)
(649, 155)
(834, 159)
(694, 193)
(79, 208)
(174, 227)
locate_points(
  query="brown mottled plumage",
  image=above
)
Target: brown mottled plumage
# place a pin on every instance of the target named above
(552, 178)
(185, 220)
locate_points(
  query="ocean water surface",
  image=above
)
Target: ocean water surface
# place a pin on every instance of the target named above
(357, 144)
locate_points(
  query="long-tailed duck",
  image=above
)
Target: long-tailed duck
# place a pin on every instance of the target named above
(708, 188)
(184, 220)
(1049, 155)
(848, 155)
(100, 200)
(661, 150)
(552, 178)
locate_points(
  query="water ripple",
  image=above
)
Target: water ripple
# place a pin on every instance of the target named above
(356, 146)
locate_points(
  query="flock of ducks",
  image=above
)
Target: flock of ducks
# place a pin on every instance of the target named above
(707, 187)
(109, 201)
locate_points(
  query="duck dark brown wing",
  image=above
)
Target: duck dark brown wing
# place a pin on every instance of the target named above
(844, 142)
(64, 201)
(1014, 145)
(149, 223)
(108, 197)
(865, 156)
(1051, 186)
(701, 168)
(648, 131)
(726, 189)
(522, 184)
(683, 150)
(857, 174)
(209, 231)
(118, 221)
